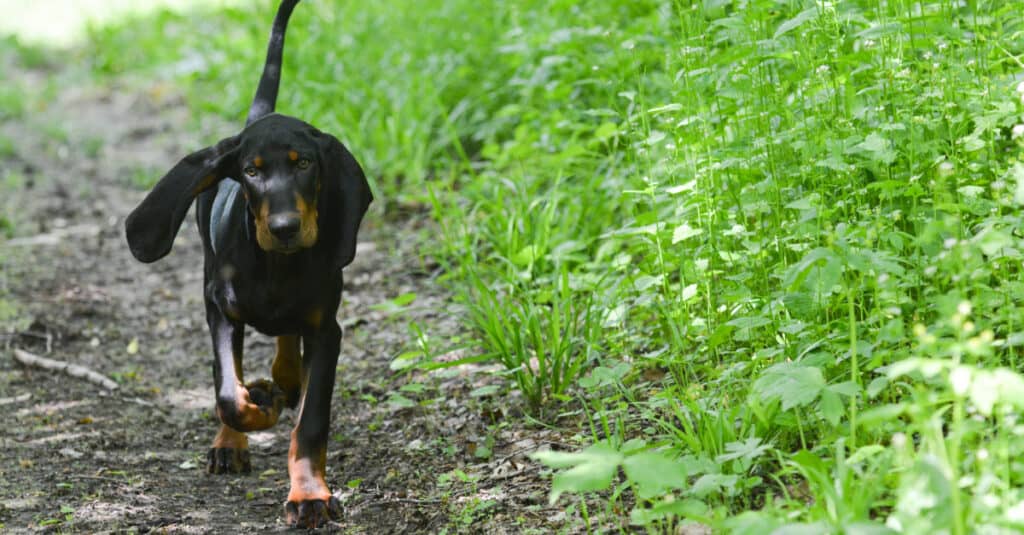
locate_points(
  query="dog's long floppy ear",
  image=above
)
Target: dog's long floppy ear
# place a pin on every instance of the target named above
(340, 173)
(151, 227)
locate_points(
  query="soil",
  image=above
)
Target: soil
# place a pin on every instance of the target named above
(410, 452)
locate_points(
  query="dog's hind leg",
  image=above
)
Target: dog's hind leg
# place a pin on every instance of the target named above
(287, 368)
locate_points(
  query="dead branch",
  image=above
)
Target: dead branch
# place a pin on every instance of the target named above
(15, 399)
(56, 236)
(74, 370)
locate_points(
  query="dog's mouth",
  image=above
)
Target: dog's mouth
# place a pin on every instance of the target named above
(289, 247)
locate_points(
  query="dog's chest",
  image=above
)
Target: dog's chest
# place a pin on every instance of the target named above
(275, 307)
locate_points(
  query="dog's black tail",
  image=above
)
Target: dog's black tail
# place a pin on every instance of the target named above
(266, 92)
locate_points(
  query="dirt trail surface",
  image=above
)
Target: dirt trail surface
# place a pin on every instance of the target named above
(76, 458)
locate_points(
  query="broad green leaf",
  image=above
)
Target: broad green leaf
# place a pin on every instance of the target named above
(604, 376)
(877, 148)
(793, 384)
(654, 473)
(1011, 387)
(558, 459)
(797, 272)
(805, 203)
(823, 278)
(589, 477)
(709, 483)
(795, 22)
(867, 528)
(485, 391)
(413, 388)
(689, 292)
(984, 391)
(405, 360)
(643, 282)
(675, 190)
(720, 335)
(749, 322)
(970, 191)
(589, 470)
(877, 30)
(817, 528)
(398, 401)
(992, 241)
(396, 303)
(927, 367)
(831, 406)
(527, 255)
(881, 413)
(749, 450)
(971, 143)
(606, 130)
(750, 523)
(1017, 176)
(674, 106)
(846, 388)
(667, 509)
(864, 453)
(684, 232)
(877, 385)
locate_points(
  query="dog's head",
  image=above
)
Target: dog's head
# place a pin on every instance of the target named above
(281, 172)
(300, 185)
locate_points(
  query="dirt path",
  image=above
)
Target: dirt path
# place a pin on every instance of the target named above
(411, 453)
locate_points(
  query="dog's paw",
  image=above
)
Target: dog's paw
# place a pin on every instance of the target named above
(267, 395)
(228, 461)
(229, 453)
(260, 406)
(257, 406)
(312, 513)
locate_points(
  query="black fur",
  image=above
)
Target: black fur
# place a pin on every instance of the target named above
(283, 166)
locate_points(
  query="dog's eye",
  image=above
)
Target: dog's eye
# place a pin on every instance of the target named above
(304, 163)
(251, 171)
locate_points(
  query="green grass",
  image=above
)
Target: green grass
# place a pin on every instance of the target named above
(771, 248)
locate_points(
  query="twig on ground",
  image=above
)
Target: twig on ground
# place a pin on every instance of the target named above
(44, 336)
(56, 236)
(15, 399)
(74, 370)
(409, 501)
(96, 478)
(147, 404)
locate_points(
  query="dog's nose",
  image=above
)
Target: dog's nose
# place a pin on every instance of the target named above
(284, 226)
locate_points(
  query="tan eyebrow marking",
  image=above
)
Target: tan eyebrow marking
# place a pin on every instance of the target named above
(257, 161)
(292, 155)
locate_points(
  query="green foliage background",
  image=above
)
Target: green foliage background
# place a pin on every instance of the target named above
(772, 248)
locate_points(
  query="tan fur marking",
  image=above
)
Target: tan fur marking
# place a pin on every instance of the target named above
(306, 473)
(308, 217)
(257, 161)
(287, 367)
(229, 438)
(249, 416)
(263, 236)
(292, 155)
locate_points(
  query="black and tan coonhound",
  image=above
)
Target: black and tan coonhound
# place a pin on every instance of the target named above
(279, 206)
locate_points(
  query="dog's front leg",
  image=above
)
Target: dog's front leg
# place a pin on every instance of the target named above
(310, 503)
(241, 408)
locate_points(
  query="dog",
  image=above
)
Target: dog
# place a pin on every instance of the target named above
(278, 207)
